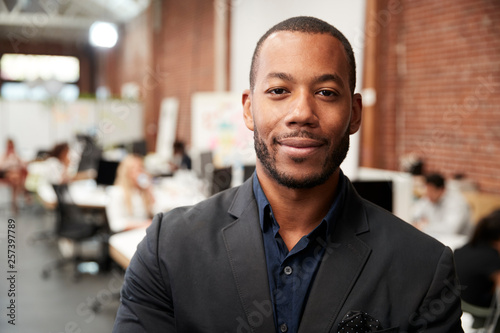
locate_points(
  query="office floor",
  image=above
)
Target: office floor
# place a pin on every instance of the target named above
(59, 303)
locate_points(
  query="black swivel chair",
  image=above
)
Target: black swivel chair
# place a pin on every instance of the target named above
(220, 180)
(71, 224)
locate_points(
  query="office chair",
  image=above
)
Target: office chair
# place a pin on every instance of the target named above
(220, 179)
(73, 225)
(485, 319)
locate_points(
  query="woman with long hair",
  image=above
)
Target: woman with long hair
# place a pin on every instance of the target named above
(131, 198)
(13, 172)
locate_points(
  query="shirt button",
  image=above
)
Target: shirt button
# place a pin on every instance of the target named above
(288, 270)
(283, 328)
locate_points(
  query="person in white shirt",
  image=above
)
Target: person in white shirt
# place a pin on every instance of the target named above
(61, 166)
(131, 199)
(58, 165)
(443, 210)
(13, 172)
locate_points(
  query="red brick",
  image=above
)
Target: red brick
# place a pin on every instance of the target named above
(448, 97)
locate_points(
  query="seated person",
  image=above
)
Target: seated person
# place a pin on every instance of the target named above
(478, 262)
(181, 159)
(61, 168)
(131, 198)
(442, 210)
(13, 172)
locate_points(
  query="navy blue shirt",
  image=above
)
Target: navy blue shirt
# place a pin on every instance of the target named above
(291, 273)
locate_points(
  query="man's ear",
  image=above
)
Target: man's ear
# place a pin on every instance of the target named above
(357, 108)
(247, 109)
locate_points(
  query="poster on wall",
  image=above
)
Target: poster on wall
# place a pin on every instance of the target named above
(218, 126)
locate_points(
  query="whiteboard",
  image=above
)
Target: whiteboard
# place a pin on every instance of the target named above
(217, 125)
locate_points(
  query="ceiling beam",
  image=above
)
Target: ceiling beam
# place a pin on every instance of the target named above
(44, 20)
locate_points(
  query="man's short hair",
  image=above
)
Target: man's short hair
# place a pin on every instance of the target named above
(435, 179)
(310, 25)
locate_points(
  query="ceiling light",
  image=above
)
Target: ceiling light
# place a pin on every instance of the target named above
(103, 34)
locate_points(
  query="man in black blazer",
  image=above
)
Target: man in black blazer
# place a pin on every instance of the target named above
(294, 249)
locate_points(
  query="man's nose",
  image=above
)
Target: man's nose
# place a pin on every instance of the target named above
(302, 110)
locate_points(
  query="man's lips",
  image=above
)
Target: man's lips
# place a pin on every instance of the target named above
(300, 142)
(299, 147)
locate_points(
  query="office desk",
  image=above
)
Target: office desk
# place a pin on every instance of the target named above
(84, 193)
(183, 189)
(123, 245)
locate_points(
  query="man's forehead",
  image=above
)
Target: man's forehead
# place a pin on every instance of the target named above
(283, 44)
(288, 36)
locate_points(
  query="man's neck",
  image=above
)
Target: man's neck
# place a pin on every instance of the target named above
(298, 211)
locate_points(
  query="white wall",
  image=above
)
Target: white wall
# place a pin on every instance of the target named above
(39, 125)
(250, 19)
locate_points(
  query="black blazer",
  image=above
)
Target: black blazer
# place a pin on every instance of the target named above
(203, 269)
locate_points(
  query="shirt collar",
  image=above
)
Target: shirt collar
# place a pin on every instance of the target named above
(329, 219)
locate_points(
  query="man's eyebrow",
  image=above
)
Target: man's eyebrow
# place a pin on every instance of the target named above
(280, 75)
(318, 79)
(329, 77)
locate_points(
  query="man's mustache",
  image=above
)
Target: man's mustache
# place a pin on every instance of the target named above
(300, 134)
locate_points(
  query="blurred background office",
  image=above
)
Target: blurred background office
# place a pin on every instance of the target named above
(87, 85)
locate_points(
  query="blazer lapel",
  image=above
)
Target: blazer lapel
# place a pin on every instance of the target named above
(245, 249)
(343, 261)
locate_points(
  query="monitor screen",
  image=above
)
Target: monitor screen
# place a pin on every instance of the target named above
(90, 155)
(106, 172)
(221, 179)
(248, 171)
(378, 192)
(139, 148)
(206, 160)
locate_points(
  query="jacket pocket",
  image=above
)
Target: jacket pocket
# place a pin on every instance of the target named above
(388, 330)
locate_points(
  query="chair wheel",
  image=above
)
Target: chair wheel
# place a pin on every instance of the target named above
(96, 307)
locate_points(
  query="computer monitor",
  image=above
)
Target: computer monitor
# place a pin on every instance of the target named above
(206, 160)
(139, 148)
(380, 192)
(221, 179)
(106, 172)
(248, 171)
(90, 155)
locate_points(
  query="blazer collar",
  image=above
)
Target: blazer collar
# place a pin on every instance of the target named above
(243, 199)
(342, 263)
(353, 207)
(245, 249)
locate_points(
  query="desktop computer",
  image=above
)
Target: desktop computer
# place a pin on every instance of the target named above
(106, 172)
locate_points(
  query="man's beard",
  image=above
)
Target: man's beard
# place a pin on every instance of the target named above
(331, 164)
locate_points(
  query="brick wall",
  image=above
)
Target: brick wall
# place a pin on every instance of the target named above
(169, 53)
(187, 54)
(438, 86)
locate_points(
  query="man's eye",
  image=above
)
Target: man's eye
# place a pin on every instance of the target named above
(327, 93)
(277, 91)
